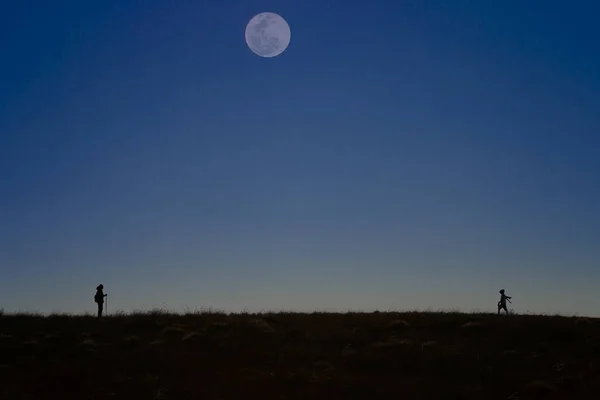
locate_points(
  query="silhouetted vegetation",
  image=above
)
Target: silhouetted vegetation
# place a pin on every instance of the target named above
(157, 355)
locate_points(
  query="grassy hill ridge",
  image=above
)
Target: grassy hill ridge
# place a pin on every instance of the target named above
(414, 355)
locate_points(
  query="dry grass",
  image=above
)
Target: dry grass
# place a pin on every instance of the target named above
(156, 355)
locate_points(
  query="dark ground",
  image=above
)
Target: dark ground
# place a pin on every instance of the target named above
(299, 356)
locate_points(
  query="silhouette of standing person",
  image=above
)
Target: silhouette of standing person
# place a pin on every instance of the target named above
(99, 299)
(502, 302)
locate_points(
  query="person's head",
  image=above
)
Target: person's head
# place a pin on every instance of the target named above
(501, 290)
(100, 287)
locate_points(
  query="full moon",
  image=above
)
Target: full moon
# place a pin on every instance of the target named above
(267, 34)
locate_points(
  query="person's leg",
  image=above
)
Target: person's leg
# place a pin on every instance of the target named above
(100, 309)
(505, 309)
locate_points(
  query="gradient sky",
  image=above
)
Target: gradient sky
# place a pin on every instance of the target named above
(398, 155)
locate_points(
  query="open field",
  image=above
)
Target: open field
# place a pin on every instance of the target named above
(299, 356)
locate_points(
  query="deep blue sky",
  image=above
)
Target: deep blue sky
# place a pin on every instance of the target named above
(399, 154)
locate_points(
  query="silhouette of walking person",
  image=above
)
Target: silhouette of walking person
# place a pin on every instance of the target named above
(502, 302)
(99, 299)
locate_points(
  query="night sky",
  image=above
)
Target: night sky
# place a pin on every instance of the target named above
(397, 155)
